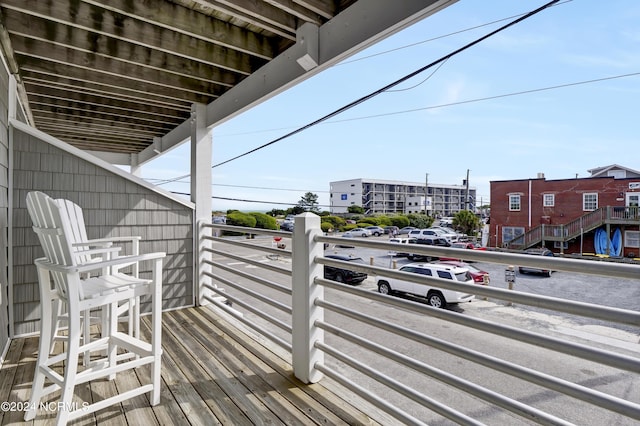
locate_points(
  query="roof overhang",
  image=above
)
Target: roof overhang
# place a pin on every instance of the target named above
(120, 79)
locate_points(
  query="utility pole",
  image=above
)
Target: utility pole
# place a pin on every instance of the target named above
(466, 195)
(426, 191)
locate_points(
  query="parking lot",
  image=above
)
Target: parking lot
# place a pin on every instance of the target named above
(603, 290)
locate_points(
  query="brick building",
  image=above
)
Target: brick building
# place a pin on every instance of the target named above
(565, 215)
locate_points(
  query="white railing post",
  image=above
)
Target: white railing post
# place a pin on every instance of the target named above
(305, 291)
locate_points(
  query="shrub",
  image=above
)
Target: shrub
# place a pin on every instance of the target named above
(237, 218)
(336, 221)
(399, 221)
(264, 221)
(327, 226)
(420, 221)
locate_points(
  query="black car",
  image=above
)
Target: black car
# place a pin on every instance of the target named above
(537, 252)
(435, 241)
(344, 275)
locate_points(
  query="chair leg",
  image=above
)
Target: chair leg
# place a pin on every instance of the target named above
(54, 324)
(71, 369)
(47, 307)
(112, 327)
(86, 335)
(156, 332)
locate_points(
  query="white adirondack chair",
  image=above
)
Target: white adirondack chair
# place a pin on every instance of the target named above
(61, 266)
(89, 251)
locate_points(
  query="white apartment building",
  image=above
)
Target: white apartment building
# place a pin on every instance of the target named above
(389, 196)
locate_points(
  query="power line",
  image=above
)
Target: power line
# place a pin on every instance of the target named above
(248, 201)
(436, 38)
(389, 86)
(246, 186)
(489, 98)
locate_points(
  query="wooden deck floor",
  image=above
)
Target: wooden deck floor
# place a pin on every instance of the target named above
(213, 373)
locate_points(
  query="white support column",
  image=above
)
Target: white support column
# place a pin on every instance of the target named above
(201, 148)
(305, 313)
(135, 167)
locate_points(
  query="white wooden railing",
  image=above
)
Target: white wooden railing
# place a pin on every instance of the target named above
(281, 295)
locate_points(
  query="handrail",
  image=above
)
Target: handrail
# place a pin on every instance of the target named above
(565, 232)
(245, 278)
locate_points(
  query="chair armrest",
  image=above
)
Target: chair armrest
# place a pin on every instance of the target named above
(44, 263)
(116, 239)
(93, 243)
(91, 252)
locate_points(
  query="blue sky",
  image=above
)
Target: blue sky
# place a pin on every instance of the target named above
(452, 120)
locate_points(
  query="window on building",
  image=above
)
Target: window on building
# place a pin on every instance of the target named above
(511, 232)
(549, 200)
(514, 203)
(632, 239)
(589, 201)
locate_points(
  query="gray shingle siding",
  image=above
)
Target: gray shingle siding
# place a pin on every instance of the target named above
(113, 206)
(4, 210)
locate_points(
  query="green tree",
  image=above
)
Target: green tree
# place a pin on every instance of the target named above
(295, 210)
(276, 212)
(309, 202)
(355, 209)
(467, 222)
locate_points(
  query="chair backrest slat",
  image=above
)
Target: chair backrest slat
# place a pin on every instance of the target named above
(77, 228)
(53, 230)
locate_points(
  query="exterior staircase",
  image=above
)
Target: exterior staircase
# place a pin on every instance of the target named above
(580, 226)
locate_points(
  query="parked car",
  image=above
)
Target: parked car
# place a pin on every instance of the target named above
(357, 232)
(432, 232)
(536, 252)
(391, 230)
(446, 221)
(436, 297)
(455, 235)
(401, 250)
(429, 241)
(287, 226)
(448, 233)
(479, 276)
(346, 276)
(406, 230)
(466, 246)
(220, 219)
(375, 230)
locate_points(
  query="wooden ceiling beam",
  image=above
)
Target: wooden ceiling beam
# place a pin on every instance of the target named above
(124, 18)
(260, 14)
(140, 132)
(94, 69)
(89, 102)
(46, 81)
(82, 110)
(171, 52)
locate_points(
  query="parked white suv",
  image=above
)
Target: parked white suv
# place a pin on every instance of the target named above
(426, 233)
(436, 297)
